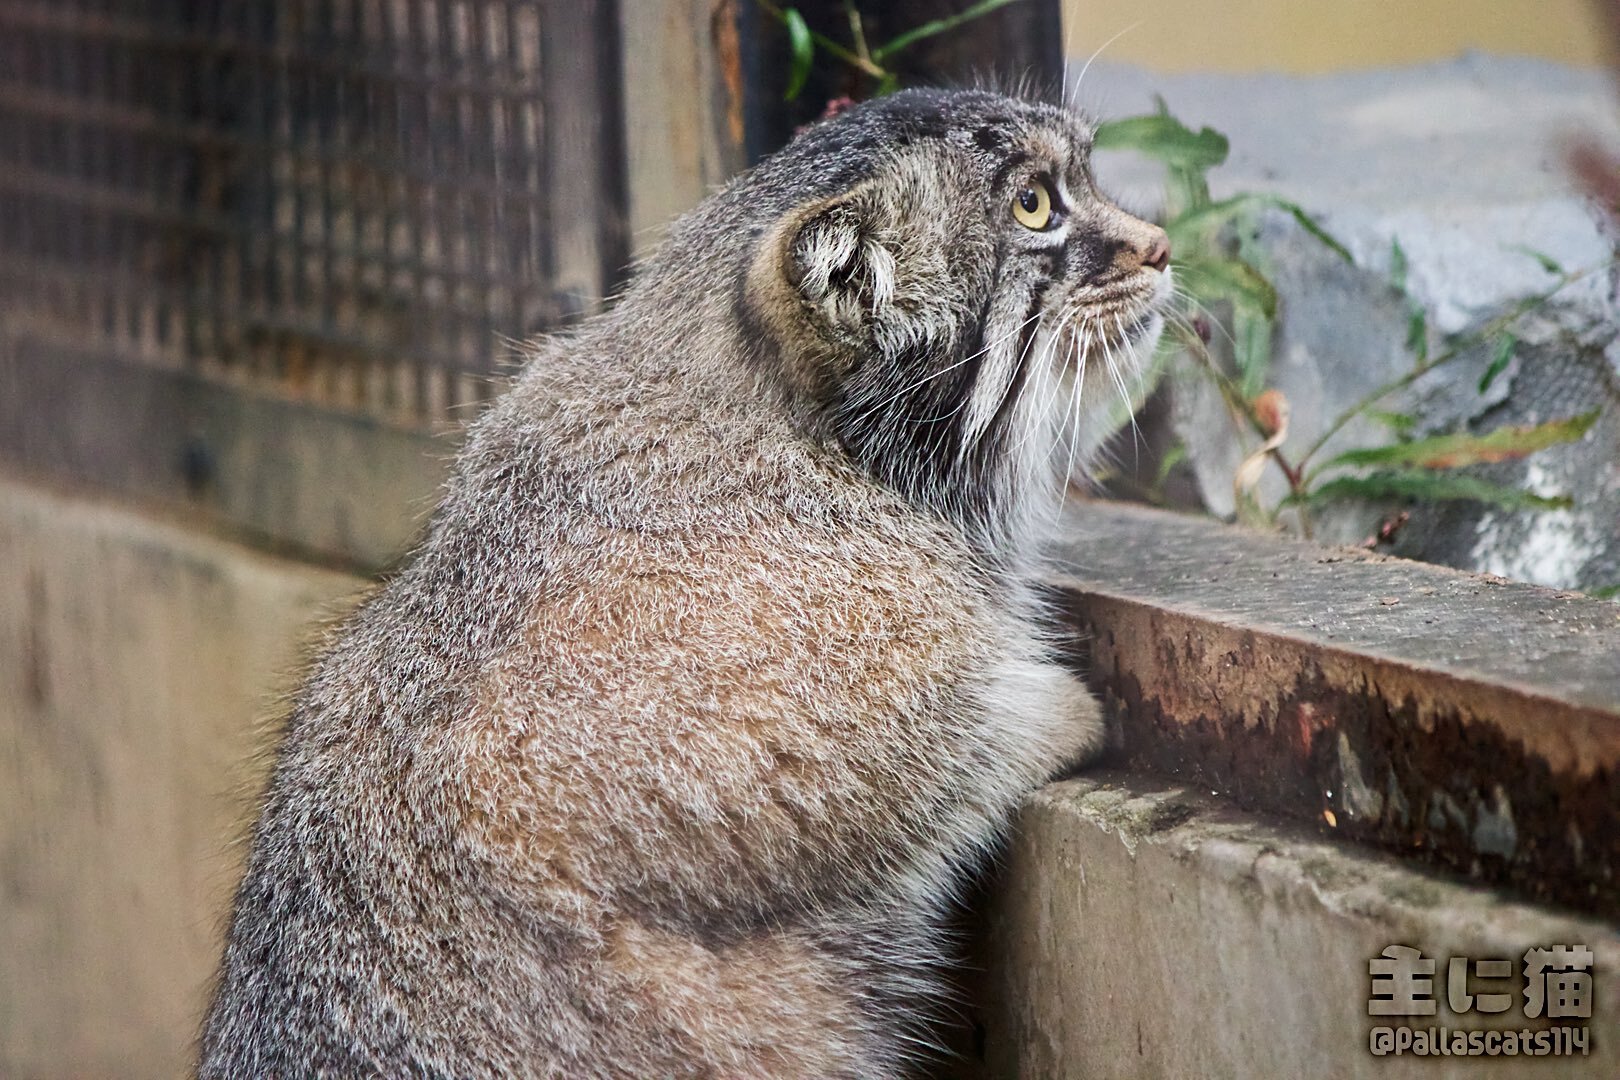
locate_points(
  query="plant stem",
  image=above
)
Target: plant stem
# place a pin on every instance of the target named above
(829, 45)
(1488, 331)
(857, 31)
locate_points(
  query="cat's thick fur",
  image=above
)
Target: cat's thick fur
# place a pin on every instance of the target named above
(717, 670)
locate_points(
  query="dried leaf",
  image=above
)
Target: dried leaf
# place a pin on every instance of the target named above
(1271, 411)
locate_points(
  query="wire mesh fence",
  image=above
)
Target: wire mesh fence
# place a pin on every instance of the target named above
(353, 202)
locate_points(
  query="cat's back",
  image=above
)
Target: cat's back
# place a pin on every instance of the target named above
(604, 690)
(716, 599)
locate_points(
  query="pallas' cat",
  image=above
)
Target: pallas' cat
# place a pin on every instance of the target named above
(717, 671)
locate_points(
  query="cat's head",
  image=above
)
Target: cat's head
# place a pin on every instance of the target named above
(944, 282)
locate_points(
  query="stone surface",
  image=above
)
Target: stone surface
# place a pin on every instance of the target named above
(1459, 719)
(1461, 163)
(1140, 929)
(139, 661)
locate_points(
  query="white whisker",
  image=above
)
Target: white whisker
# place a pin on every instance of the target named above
(943, 371)
(1099, 52)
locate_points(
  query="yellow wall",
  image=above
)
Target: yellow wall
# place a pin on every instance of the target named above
(1327, 35)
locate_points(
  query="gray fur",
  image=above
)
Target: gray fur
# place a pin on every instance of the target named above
(716, 672)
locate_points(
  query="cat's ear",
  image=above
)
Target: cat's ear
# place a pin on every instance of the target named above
(838, 263)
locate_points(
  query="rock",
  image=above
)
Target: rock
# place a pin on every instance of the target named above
(1461, 162)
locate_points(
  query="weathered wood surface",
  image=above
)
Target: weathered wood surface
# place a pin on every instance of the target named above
(1460, 718)
(684, 107)
(330, 486)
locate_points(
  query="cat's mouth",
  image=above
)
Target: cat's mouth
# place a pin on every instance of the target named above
(1127, 314)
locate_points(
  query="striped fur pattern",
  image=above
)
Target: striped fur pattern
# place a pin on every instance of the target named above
(717, 673)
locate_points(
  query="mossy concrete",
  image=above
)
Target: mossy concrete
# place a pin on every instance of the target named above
(1146, 929)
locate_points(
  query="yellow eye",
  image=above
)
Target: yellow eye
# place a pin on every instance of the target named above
(1032, 205)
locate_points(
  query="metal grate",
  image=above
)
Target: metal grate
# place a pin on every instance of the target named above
(347, 201)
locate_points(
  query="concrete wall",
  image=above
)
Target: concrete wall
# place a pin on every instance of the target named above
(1145, 930)
(139, 660)
(1290, 36)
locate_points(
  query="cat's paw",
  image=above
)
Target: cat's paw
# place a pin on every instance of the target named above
(1081, 728)
(1061, 720)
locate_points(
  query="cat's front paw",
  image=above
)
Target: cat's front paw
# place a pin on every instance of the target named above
(1081, 729)
(1059, 720)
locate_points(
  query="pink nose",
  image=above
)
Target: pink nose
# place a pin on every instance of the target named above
(1158, 255)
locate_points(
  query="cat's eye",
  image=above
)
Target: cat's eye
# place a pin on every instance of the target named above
(1032, 205)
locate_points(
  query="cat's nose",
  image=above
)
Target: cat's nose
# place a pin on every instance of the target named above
(1158, 252)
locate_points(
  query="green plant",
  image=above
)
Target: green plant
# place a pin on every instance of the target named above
(1220, 265)
(870, 60)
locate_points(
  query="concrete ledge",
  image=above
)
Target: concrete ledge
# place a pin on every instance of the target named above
(1458, 718)
(1145, 929)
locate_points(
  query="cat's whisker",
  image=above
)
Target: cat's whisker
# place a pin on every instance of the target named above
(1044, 367)
(1127, 399)
(1092, 58)
(926, 379)
(1013, 381)
(1076, 411)
(1118, 378)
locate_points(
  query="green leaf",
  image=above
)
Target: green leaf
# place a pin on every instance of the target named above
(1209, 219)
(1172, 457)
(937, 26)
(1165, 139)
(1455, 451)
(1399, 423)
(1184, 190)
(1499, 362)
(1417, 333)
(804, 51)
(1251, 339)
(1431, 486)
(1197, 228)
(1548, 263)
(1311, 226)
(1607, 592)
(1397, 266)
(1229, 279)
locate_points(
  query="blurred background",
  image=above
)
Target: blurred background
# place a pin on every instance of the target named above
(260, 261)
